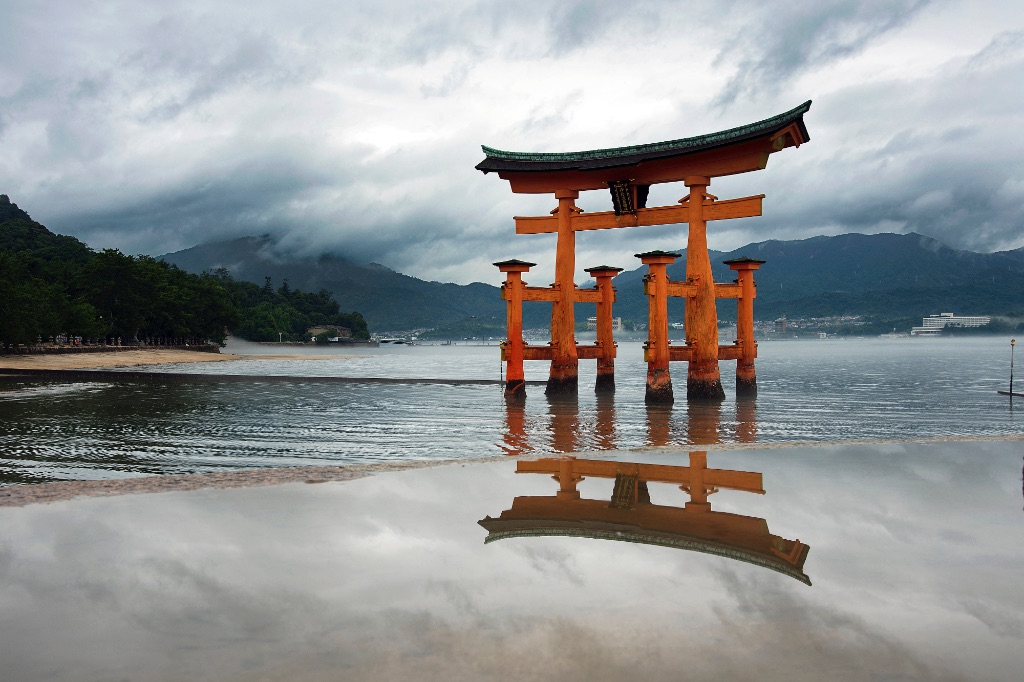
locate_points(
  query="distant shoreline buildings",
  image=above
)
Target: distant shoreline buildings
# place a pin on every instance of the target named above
(934, 324)
(616, 324)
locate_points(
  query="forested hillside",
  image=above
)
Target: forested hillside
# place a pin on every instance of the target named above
(895, 279)
(268, 314)
(54, 286)
(387, 299)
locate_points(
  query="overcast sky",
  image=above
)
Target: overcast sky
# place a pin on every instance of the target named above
(355, 127)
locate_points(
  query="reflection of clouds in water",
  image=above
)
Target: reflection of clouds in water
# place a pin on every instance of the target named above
(998, 618)
(402, 645)
(820, 642)
(553, 563)
(459, 596)
(278, 583)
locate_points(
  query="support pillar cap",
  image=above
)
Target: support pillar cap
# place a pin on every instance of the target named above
(653, 257)
(514, 265)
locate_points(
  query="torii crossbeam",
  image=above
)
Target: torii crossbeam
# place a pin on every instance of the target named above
(629, 172)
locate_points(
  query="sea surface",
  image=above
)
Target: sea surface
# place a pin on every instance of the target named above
(820, 390)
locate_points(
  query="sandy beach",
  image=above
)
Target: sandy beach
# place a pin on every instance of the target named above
(136, 358)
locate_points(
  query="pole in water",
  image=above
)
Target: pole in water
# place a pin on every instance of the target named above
(1013, 342)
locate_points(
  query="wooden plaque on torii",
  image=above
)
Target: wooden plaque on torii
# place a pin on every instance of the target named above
(629, 172)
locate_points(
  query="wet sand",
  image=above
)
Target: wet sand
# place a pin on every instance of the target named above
(57, 491)
(43, 493)
(138, 357)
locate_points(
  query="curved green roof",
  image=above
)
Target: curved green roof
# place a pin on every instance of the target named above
(646, 537)
(500, 160)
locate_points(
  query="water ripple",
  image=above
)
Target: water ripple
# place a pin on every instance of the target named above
(809, 391)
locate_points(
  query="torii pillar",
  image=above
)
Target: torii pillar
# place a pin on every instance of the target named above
(512, 349)
(703, 381)
(656, 350)
(746, 378)
(605, 343)
(563, 377)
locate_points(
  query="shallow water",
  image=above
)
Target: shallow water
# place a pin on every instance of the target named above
(858, 562)
(809, 390)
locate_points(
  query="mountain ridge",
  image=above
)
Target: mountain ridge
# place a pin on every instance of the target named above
(909, 275)
(389, 300)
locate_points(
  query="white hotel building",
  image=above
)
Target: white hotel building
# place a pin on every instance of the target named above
(934, 324)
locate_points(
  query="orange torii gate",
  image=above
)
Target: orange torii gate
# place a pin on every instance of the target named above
(629, 172)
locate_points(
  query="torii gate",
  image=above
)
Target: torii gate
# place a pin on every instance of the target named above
(629, 173)
(630, 516)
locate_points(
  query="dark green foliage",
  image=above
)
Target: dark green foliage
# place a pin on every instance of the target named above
(493, 327)
(388, 299)
(285, 314)
(52, 285)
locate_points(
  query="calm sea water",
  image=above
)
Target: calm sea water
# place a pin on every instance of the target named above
(809, 390)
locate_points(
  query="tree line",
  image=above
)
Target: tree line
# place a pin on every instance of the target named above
(55, 287)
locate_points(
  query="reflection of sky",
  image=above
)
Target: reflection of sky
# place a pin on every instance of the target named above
(915, 557)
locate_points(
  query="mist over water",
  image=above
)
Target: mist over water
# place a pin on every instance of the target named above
(809, 390)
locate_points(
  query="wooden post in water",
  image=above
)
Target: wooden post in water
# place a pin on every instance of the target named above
(1013, 342)
(703, 381)
(656, 351)
(746, 378)
(563, 377)
(605, 337)
(512, 347)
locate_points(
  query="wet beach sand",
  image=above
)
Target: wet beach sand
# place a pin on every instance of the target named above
(59, 491)
(136, 358)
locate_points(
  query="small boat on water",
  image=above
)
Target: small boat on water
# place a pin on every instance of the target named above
(1011, 393)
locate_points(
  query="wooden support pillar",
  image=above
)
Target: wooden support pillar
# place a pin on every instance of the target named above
(517, 442)
(564, 377)
(697, 488)
(659, 424)
(746, 420)
(746, 378)
(605, 427)
(605, 338)
(703, 381)
(656, 351)
(703, 422)
(567, 479)
(512, 348)
(564, 426)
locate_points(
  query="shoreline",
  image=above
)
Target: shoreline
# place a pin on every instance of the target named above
(138, 358)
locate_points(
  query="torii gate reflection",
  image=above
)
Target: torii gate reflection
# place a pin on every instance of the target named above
(564, 429)
(629, 515)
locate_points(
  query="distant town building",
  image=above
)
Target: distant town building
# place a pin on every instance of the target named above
(934, 324)
(616, 324)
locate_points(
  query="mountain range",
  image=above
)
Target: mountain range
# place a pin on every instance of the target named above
(387, 299)
(886, 275)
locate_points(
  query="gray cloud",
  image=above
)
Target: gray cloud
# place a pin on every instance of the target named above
(803, 36)
(1005, 47)
(354, 127)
